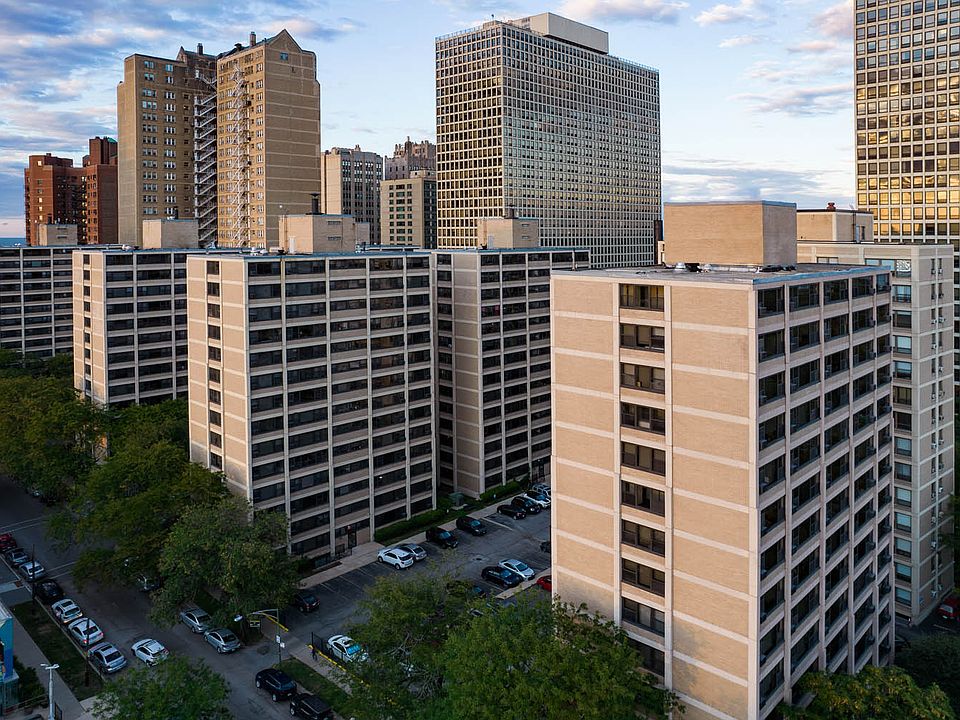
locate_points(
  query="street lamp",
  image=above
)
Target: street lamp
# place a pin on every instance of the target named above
(50, 669)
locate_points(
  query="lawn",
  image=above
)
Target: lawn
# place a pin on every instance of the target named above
(338, 698)
(58, 649)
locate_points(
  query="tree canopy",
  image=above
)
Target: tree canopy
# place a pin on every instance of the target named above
(934, 659)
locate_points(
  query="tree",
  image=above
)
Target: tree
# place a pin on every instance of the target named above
(874, 694)
(139, 426)
(934, 659)
(224, 547)
(174, 690)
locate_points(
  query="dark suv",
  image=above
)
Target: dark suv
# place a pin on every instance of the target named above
(305, 601)
(441, 537)
(471, 525)
(277, 683)
(304, 705)
(525, 504)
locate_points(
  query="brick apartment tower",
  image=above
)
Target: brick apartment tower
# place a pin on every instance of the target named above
(99, 193)
(409, 157)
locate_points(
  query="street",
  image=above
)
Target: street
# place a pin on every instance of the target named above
(122, 612)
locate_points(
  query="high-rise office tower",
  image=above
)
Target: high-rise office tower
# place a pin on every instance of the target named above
(268, 138)
(535, 116)
(908, 122)
(409, 157)
(722, 467)
(923, 403)
(157, 104)
(408, 210)
(351, 186)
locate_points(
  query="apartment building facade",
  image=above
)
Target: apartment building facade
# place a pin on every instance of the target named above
(98, 193)
(722, 464)
(36, 300)
(268, 137)
(311, 387)
(351, 185)
(536, 116)
(51, 194)
(923, 402)
(409, 157)
(157, 121)
(408, 210)
(493, 363)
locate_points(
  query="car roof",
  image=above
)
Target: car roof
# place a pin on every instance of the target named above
(314, 702)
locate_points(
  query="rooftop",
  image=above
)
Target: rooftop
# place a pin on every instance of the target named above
(736, 275)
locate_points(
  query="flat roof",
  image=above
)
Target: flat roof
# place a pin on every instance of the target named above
(746, 275)
(550, 248)
(774, 203)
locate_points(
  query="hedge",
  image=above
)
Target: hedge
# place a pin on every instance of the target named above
(410, 526)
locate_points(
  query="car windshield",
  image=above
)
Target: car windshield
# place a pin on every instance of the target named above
(201, 616)
(353, 649)
(111, 656)
(228, 637)
(520, 566)
(443, 534)
(474, 523)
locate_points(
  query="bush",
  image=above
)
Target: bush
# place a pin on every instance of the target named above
(501, 491)
(410, 526)
(31, 691)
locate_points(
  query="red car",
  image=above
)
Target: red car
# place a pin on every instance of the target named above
(7, 542)
(949, 609)
(546, 582)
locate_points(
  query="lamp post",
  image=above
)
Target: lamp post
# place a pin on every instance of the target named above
(50, 669)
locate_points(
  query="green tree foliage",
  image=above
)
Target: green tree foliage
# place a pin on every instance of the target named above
(873, 694)
(139, 426)
(434, 652)
(934, 659)
(173, 690)
(221, 546)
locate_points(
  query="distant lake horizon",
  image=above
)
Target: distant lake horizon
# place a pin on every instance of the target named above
(8, 241)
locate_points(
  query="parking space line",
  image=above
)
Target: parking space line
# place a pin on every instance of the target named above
(499, 524)
(23, 524)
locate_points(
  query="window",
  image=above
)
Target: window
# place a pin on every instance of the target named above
(904, 596)
(642, 377)
(903, 344)
(643, 458)
(643, 577)
(644, 498)
(641, 417)
(641, 337)
(804, 296)
(903, 521)
(643, 616)
(641, 297)
(642, 537)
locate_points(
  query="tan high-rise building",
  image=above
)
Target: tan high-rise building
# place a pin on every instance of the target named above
(268, 138)
(907, 76)
(409, 157)
(311, 387)
(351, 185)
(408, 210)
(534, 115)
(722, 467)
(157, 119)
(923, 402)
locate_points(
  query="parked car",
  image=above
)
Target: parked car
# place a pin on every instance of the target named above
(223, 640)
(107, 657)
(277, 683)
(441, 537)
(545, 547)
(395, 557)
(539, 498)
(471, 525)
(545, 582)
(48, 591)
(467, 589)
(949, 609)
(150, 651)
(85, 631)
(511, 511)
(346, 649)
(196, 619)
(16, 556)
(501, 576)
(32, 570)
(541, 488)
(526, 504)
(310, 707)
(146, 583)
(417, 551)
(66, 611)
(7, 542)
(519, 567)
(305, 601)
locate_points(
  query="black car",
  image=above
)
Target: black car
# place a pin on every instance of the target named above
(441, 537)
(48, 591)
(466, 589)
(304, 705)
(526, 504)
(305, 601)
(276, 682)
(471, 525)
(501, 576)
(511, 511)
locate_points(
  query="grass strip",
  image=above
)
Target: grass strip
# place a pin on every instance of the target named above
(57, 648)
(315, 683)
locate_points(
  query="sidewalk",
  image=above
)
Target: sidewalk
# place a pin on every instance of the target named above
(30, 655)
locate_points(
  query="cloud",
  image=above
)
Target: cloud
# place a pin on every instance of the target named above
(803, 101)
(740, 41)
(656, 11)
(836, 21)
(755, 11)
(814, 46)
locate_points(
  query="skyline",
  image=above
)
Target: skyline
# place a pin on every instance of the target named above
(780, 80)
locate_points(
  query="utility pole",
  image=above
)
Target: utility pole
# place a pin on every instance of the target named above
(50, 669)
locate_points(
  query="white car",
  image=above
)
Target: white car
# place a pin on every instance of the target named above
(346, 649)
(541, 488)
(150, 651)
(395, 556)
(66, 611)
(541, 499)
(32, 570)
(85, 631)
(519, 567)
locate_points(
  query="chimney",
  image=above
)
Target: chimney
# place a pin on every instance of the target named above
(199, 48)
(831, 206)
(253, 39)
(314, 203)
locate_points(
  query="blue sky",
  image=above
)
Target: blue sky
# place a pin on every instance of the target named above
(756, 95)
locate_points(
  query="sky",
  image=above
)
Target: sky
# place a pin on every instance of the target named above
(756, 95)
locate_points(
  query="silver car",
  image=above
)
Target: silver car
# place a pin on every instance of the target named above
(225, 641)
(416, 550)
(32, 570)
(197, 620)
(107, 657)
